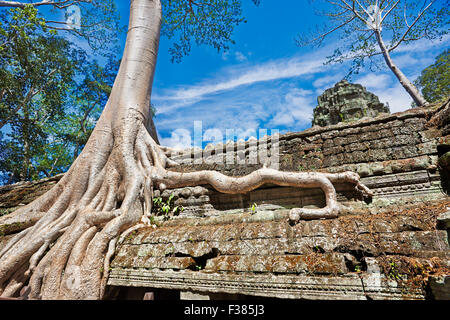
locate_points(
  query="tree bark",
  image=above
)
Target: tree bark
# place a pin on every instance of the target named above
(418, 99)
(101, 191)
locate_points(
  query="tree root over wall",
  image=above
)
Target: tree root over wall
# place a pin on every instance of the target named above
(65, 253)
(67, 236)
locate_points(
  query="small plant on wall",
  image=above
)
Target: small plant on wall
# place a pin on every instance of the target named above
(165, 208)
(253, 208)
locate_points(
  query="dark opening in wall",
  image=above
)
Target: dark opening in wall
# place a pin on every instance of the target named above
(139, 293)
(142, 293)
(444, 166)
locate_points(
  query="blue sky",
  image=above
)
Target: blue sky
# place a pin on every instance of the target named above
(264, 81)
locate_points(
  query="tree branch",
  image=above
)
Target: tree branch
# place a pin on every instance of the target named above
(322, 36)
(389, 11)
(66, 29)
(18, 4)
(404, 15)
(364, 9)
(410, 27)
(352, 9)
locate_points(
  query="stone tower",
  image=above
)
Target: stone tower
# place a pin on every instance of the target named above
(346, 102)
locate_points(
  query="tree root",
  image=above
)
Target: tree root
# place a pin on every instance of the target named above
(77, 225)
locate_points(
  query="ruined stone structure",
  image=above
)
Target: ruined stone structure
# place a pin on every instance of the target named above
(393, 246)
(346, 102)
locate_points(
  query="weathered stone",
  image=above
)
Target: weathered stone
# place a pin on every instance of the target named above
(346, 102)
(190, 295)
(363, 170)
(346, 287)
(313, 263)
(430, 134)
(429, 147)
(444, 161)
(261, 254)
(19, 194)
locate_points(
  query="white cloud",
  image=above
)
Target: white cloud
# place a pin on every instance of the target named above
(422, 45)
(272, 95)
(282, 119)
(396, 96)
(407, 60)
(173, 99)
(374, 81)
(388, 90)
(328, 80)
(295, 109)
(240, 56)
(180, 139)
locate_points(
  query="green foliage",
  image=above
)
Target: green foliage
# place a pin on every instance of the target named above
(205, 22)
(198, 267)
(253, 208)
(100, 24)
(50, 97)
(89, 96)
(165, 208)
(36, 71)
(434, 81)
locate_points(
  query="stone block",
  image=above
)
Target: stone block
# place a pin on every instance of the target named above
(327, 135)
(356, 147)
(364, 170)
(328, 263)
(191, 295)
(352, 138)
(415, 123)
(378, 168)
(430, 134)
(339, 141)
(429, 147)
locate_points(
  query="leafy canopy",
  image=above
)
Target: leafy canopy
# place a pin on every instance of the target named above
(96, 21)
(434, 81)
(204, 22)
(51, 96)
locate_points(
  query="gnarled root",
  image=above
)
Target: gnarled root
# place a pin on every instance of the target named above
(262, 176)
(75, 227)
(63, 254)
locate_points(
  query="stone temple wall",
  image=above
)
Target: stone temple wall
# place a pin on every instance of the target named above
(396, 155)
(394, 247)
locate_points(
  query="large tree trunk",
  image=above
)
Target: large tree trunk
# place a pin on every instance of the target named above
(69, 234)
(418, 99)
(99, 195)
